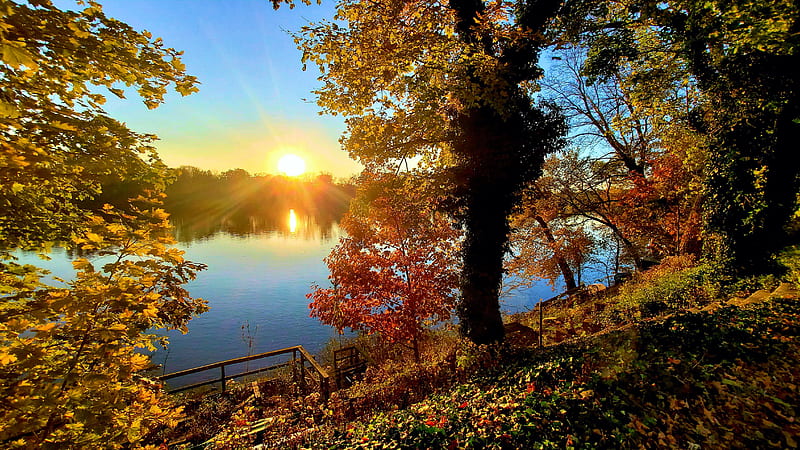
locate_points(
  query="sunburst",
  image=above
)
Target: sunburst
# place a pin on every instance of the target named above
(291, 165)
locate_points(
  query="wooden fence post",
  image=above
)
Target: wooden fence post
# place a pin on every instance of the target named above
(302, 371)
(541, 319)
(294, 366)
(324, 388)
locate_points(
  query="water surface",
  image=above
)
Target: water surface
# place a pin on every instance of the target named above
(259, 272)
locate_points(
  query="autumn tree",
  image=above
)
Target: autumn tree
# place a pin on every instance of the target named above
(743, 57)
(548, 242)
(636, 127)
(71, 354)
(451, 84)
(71, 351)
(395, 272)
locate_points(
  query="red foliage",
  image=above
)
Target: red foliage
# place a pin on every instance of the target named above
(395, 271)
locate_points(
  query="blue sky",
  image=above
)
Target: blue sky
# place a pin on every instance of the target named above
(250, 108)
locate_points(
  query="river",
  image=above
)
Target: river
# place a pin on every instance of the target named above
(257, 278)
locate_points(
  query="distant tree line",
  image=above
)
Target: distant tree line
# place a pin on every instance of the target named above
(202, 202)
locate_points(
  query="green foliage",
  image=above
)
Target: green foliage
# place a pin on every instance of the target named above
(750, 284)
(790, 259)
(673, 285)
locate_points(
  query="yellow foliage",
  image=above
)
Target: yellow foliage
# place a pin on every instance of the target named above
(45, 328)
(150, 312)
(139, 361)
(6, 358)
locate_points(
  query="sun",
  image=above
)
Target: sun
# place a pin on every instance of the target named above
(291, 165)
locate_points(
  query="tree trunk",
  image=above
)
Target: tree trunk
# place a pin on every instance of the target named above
(566, 271)
(499, 150)
(495, 164)
(483, 250)
(415, 344)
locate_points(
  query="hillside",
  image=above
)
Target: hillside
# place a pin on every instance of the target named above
(656, 362)
(726, 377)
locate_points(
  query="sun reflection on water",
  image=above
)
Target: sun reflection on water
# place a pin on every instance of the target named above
(292, 221)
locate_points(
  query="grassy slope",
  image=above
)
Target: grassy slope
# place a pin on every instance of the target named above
(722, 379)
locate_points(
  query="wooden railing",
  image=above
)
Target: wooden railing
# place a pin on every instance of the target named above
(300, 357)
(347, 363)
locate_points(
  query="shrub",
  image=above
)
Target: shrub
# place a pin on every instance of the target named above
(674, 284)
(790, 259)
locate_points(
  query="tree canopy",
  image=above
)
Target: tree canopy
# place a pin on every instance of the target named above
(450, 84)
(72, 351)
(58, 144)
(742, 56)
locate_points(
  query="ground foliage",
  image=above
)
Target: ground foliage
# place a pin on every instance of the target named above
(723, 379)
(624, 375)
(285, 414)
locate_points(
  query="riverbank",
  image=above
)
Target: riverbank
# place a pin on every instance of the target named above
(726, 378)
(634, 368)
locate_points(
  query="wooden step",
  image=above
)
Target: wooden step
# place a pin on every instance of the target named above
(756, 297)
(786, 290)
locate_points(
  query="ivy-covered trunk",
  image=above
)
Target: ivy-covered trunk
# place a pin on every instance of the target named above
(499, 148)
(753, 169)
(486, 195)
(498, 154)
(483, 250)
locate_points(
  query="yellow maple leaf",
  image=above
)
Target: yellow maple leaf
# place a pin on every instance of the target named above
(139, 362)
(6, 358)
(46, 328)
(94, 237)
(151, 311)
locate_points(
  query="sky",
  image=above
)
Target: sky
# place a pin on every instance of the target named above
(250, 110)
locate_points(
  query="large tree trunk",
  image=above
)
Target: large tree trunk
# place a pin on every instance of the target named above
(487, 199)
(498, 153)
(484, 247)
